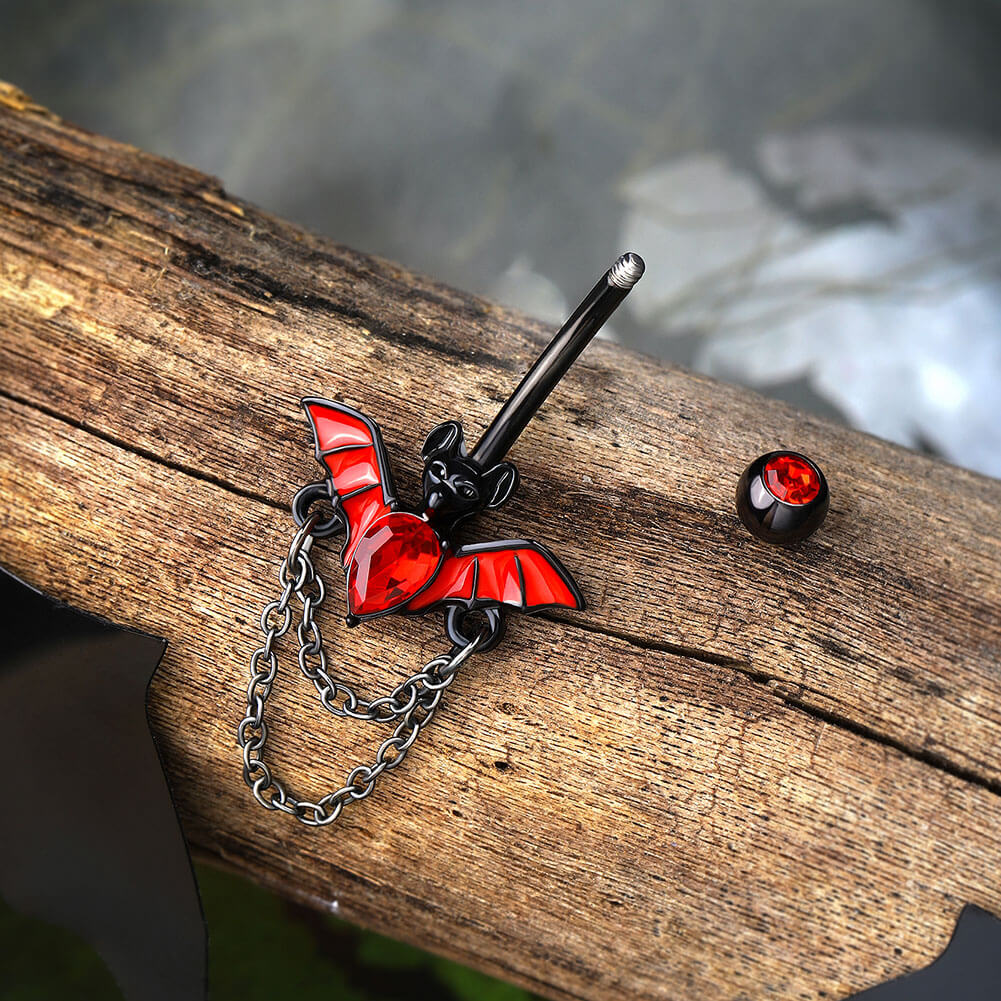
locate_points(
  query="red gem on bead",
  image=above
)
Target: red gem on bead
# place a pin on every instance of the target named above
(393, 560)
(791, 479)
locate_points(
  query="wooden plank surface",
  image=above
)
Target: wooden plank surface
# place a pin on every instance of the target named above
(743, 772)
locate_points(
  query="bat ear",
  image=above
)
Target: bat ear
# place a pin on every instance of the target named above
(445, 439)
(499, 483)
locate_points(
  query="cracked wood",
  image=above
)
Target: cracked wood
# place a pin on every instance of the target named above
(743, 772)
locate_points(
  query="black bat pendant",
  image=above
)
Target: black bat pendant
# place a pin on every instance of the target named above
(403, 561)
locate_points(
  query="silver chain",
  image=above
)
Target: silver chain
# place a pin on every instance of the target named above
(412, 703)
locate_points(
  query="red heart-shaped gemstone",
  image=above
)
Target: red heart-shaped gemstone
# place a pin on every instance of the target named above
(395, 557)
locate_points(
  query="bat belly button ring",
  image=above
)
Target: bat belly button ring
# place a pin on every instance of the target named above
(405, 561)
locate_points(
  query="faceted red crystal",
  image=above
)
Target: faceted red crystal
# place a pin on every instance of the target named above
(790, 479)
(393, 560)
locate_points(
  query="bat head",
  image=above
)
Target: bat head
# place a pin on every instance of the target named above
(455, 487)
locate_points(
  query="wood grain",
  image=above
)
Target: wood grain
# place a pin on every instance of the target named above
(743, 772)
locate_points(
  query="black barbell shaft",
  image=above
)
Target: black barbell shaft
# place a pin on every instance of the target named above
(570, 340)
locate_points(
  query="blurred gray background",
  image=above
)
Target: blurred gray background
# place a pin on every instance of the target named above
(816, 185)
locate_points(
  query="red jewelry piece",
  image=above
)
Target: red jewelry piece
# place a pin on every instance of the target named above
(791, 479)
(403, 561)
(395, 558)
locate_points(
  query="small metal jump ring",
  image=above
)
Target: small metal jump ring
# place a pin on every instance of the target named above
(488, 637)
(305, 498)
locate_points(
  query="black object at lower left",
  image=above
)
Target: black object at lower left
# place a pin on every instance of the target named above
(89, 839)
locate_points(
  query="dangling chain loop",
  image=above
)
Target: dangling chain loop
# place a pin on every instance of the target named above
(412, 703)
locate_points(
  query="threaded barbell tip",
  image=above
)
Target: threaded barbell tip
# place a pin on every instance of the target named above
(626, 271)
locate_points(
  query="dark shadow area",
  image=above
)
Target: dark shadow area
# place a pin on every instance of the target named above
(968, 970)
(93, 844)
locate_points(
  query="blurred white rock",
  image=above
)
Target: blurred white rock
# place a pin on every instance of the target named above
(866, 261)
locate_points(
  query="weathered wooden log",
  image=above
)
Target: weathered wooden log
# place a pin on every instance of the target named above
(742, 772)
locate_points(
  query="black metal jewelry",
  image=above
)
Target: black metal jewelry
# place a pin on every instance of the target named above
(402, 561)
(782, 497)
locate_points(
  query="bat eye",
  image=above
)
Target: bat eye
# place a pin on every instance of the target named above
(467, 491)
(438, 469)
